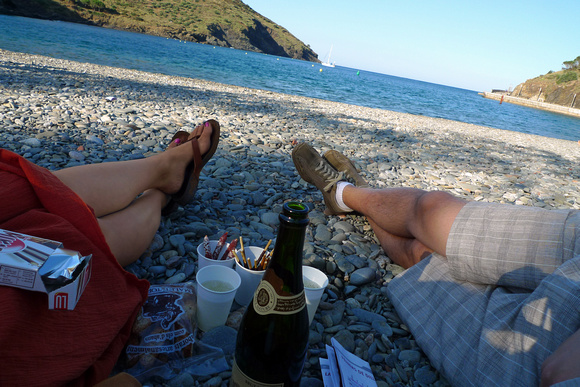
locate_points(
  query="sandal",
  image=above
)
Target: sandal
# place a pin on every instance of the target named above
(193, 170)
(178, 138)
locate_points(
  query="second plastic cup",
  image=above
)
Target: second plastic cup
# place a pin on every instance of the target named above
(216, 288)
(250, 278)
(315, 281)
(202, 261)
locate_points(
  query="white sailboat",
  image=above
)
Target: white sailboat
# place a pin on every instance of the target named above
(328, 63)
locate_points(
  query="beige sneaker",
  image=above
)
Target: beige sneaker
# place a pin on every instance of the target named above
(343, 164)
(317, 171)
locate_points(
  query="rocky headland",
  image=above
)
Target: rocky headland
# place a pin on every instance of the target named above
(224, 23)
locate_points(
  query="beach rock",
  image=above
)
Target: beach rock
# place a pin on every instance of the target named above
(362, 276)
(223, 337)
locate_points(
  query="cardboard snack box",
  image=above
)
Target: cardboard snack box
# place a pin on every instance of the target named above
(43, 265)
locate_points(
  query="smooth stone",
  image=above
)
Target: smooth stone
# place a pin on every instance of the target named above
(183, 379)
(157, 243)
(362, 276)
(367, 317)
(322, 233)
(410, 355)
(258, 198)
(358, 262)
(32, 142)
(337, 311)
(344, 265)
(223, 337)
(425, 375)
(75, 155)
(358, 328)
(344, 226)
(177, 278)
(157, 269)
(216, 381)
(95, 140)
(310, 382)
(314, 337)
(403, 343)
(346, 339)
(176, 240)
(270, 218)
(382, 327)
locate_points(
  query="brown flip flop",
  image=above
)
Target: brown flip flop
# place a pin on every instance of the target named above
(178, 138)
(193, 170)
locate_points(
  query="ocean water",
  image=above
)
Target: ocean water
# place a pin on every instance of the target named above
(259, 71)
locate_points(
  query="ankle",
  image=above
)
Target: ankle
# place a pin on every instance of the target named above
(340, 186)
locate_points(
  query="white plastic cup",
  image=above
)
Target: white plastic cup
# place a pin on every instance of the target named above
(214, 303)
(202, 261)
(313, 277)
(250, 278)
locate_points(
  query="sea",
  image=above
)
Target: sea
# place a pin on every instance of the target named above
(130, 50)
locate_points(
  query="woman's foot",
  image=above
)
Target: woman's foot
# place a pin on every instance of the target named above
(178, 138)
(180, 154)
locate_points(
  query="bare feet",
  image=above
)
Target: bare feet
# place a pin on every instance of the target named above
(177, 158)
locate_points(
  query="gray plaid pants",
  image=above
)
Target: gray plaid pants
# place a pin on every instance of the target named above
(505, 297)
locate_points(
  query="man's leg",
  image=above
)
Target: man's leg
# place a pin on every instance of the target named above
(476, 332)
(405, 252)
(418, 220)
(409, 223)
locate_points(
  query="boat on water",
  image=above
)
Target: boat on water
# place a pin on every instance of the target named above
(328, 63)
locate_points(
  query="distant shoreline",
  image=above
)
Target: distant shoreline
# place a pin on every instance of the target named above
(377, 118)
(504, 97)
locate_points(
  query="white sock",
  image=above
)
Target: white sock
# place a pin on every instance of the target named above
(339, 188)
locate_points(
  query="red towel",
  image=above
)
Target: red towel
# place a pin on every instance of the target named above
(46, 347)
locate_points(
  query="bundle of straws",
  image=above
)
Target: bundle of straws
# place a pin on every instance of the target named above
(258, 264)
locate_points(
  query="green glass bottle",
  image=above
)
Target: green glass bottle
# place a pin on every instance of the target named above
(273, 336)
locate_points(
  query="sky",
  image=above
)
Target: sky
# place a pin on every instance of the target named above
(479, 46)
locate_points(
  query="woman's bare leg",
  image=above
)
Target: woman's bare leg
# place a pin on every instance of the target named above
(110, 187)
(424, 216)
(130, 231)
(129, 224)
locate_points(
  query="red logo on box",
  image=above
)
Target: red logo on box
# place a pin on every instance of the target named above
(61, 301)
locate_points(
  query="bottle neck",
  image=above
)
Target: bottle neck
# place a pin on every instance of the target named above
(286, 260)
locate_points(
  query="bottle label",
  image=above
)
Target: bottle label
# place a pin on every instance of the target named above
(267, 301)
(240, 379)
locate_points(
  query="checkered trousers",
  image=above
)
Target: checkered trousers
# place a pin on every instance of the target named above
(505, 297)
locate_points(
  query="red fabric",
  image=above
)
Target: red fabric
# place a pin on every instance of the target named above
(45, 347)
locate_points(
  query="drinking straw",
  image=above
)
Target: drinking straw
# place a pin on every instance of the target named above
(246, 263)
(219, 246)
(206, 249)
(230, 248)
(262, 255)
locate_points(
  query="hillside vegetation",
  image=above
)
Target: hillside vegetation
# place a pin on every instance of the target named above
(560, 87)
(226, 23)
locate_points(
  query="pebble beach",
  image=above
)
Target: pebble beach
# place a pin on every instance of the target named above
(60, 113)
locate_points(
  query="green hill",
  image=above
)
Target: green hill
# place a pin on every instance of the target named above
(226, 23)
(560, 87)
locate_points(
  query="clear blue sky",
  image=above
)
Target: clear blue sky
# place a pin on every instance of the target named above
(473, 45)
